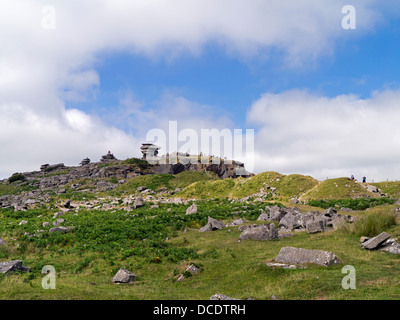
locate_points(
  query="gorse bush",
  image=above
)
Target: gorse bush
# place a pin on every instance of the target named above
(16, 177)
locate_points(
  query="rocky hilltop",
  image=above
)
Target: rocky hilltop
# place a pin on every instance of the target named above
(104, 175)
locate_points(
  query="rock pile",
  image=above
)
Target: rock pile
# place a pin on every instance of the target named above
(292, 219)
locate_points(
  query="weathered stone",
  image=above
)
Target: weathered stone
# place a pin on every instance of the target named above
(220, 296)
(375, 242)
(59, 229)
(212, 225)
(236, 222)
(123, 276)
(301, 256)
(138, 202)
(23, 222)
(11, 266)
(2, 242)
(58, 222)
(262, 232)
(315, 226)
(277, 213)
(263, 217)
(192, 209)
(192, 269)
(290, 221)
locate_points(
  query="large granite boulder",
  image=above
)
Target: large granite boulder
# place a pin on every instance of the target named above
(301, 256)
(261, 232)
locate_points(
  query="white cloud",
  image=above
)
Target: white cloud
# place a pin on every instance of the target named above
(41, 70)
(299, 132)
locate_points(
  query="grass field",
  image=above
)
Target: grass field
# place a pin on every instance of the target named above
(87, 258)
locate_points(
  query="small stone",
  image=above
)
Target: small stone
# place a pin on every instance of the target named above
(123, 276)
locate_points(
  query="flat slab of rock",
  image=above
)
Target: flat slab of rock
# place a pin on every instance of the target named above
(123, 276)
(262, 232)
(301, 256)
(11, 266)
(375, 242)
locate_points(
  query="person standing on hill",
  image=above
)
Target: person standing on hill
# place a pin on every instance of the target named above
(364, 179)
(352, 177)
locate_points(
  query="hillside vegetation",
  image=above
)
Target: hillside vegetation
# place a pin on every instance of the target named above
(339, 188)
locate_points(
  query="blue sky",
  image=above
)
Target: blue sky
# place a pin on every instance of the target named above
(78, 78)
(360, 65)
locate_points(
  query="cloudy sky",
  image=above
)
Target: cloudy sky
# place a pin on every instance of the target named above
(79, 78)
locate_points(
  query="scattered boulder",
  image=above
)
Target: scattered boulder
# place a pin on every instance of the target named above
(2, 242)
(138, 202)
(123, 276)
(212, 225)
(11, 266)
(301, 256)
(315, 226)
(59, 229)
(192, 209)
(261, 232)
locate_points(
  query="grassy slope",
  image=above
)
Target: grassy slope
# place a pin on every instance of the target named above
(287, 186)
(229, 267)
(171, 182)
(340, 188)
(391, 188)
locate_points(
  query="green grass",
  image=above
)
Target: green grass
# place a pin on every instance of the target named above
(87, 258)
(354, 204)
(391, 188)
(171, 182)
(287, 186)
(340, 188)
